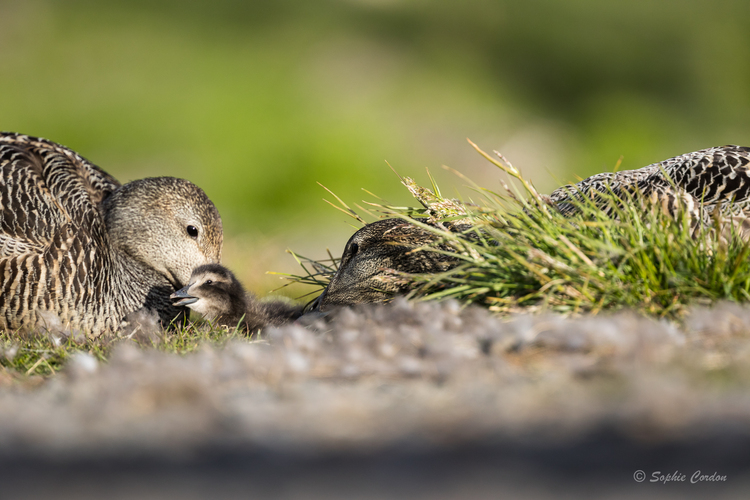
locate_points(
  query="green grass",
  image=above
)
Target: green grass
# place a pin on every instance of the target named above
(519, 255)
(522, 255)
(24, 357)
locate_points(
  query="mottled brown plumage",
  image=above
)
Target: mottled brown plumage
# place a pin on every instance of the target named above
(365, 272)
(78, 248)
(704, 181)
(217, 295)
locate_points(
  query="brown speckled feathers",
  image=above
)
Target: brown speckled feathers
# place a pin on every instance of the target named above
(365, 270)
(709, 179)
(62, 265)
(46, 191)
(706, 180)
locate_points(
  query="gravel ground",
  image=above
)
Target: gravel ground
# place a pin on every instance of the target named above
(404, 400)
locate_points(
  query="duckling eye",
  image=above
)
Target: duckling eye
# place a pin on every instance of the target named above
(192, 231)
(208, 282)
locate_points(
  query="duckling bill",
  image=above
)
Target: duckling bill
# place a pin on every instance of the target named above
(185, 298)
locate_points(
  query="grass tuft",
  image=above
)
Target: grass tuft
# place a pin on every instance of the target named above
(518, 254)
(523, 255)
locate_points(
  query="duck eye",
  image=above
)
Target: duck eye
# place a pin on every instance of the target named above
(192, 231)
(353, 249)
(208, 282)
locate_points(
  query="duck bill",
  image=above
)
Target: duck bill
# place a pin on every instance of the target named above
(314, 305)
(182, 297)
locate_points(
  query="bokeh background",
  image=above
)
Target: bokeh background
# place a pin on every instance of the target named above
(257, 101)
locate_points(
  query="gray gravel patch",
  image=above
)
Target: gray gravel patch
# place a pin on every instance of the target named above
(417, 400)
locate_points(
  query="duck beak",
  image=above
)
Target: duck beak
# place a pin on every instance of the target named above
(314, 305)
(184, 297)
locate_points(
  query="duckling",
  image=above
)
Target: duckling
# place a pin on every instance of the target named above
(217, 295)
(80, 248)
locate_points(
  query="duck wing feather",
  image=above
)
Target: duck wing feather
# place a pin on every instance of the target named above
(51, 226)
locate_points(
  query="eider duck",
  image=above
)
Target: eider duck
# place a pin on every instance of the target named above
(365, 272)
(78, 248)
(705, 181)
(217, 295)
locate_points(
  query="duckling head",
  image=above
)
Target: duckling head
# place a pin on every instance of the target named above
(213, 292)
(166, 224)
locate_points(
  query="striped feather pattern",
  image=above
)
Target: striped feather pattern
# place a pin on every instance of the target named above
(709, 179)
(58, 263)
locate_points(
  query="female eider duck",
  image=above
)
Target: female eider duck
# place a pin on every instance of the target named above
(216, 294)
(705, 182)
(365, 272)
(78, 248)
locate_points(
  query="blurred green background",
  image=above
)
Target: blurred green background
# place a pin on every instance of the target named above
(258, 101)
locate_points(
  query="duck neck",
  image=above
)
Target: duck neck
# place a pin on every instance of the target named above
(138, 286)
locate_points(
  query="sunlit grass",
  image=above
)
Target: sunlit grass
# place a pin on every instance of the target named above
(515, 252)
(28, 355)
(522, 255)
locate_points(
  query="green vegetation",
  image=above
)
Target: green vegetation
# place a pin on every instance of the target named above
(43, 354)
(257, 101)
(522, 255)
